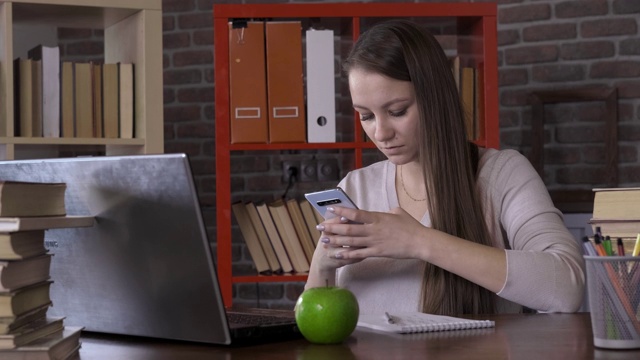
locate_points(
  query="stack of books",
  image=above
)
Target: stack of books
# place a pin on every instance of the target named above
(281, 235)
(26, 210)
(616, 212)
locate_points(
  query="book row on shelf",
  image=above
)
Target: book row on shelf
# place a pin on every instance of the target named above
(267, 58)
(26, 330)
(281, 235)
(54, 98)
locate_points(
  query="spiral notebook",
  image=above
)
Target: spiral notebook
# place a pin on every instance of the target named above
(416, 322)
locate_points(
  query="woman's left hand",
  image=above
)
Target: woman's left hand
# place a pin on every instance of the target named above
(377, 234)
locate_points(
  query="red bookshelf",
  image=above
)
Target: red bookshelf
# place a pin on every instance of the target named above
(473, 20)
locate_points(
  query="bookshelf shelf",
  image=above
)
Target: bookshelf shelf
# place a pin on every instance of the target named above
(138, 21)
(270, 278)
(475, 21)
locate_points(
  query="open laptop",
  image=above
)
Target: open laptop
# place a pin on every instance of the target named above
(145, 268)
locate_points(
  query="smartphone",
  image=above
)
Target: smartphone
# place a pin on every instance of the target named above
(320, 200)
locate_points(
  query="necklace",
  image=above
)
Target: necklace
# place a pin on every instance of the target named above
(405, 189)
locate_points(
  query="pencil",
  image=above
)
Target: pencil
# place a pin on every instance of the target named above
(636, 248)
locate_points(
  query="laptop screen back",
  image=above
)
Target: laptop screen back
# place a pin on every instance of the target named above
(145, 268)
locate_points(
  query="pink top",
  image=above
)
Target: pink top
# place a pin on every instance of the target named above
(545, 265)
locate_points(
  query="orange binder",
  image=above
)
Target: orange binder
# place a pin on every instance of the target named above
(247, 84)
(285, 92)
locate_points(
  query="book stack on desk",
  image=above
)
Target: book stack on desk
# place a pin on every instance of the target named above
(26, 211)
(616, 212)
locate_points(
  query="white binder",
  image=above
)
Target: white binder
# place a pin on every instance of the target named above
(321, 98)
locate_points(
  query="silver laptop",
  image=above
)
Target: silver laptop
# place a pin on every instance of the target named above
(145, 268)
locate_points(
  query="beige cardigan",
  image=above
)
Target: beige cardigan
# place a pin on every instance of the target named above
(545, 265)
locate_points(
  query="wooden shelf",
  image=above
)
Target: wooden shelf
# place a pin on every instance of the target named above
(270, 278)
(477, 20)
(137, 21)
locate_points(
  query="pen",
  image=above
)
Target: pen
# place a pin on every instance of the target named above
(599, 248)
(389, 318)
(588, 247)
(606, 243)
(621, 251)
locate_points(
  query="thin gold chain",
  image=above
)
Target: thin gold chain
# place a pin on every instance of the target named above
(405, 189)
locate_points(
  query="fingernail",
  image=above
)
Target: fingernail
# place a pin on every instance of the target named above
(343, 219)
(325, 240)
(331, 208)
(320, 227)
(338, 256)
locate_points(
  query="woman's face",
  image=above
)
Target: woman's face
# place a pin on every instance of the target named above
(388, 113)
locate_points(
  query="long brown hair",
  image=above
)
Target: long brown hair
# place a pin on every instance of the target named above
(405, 51)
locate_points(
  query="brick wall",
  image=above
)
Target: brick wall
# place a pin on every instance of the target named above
(543, 45)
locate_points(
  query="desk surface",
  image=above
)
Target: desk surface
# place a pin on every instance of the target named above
(532, 336)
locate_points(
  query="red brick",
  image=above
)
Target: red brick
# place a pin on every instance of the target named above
(176, 40)
(73, 33)
(629, 132)
(182, 77)
(191, 95)
(169, 132)
(558, 73)
(531, 54)
(249, 164)
(628, 89)
(587, 50)
(579, 134)
(168, 95)
(630, 46)
(512, 76)
(562, 155)
(589, 175)
(626, 6)
(608, 27)
(615, 69)
(169, 6)
(181, 113)
(508, 37)
(195, 21)
(524, 13)
(515, 138)
(203, 37)
(192, 57)
(629, 174)
(188, 147)
(515, 97)
(195, 130)
(509, 118)
(549, 32)
(168, 23)
(85, 48)
(581, 8)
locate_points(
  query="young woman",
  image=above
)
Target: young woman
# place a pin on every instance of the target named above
(445, 227)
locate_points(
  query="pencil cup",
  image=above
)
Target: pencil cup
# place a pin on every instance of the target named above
(614, 295)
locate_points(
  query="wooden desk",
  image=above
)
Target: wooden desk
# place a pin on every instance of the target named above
(533, 336)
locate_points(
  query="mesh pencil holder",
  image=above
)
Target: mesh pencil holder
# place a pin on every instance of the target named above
(613, 284)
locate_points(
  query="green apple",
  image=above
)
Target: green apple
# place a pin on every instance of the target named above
(327, 315)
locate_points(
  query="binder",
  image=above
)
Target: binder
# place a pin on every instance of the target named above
(321, 101)
(247, 83)
(284, 82)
